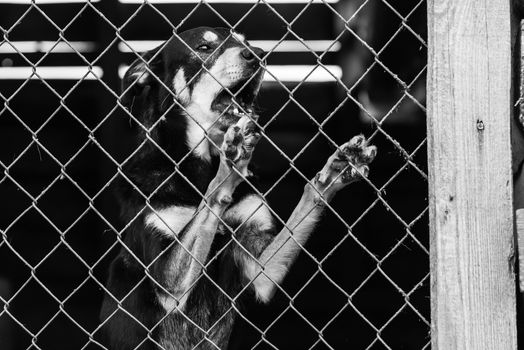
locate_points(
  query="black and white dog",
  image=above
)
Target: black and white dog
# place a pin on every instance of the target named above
(194, 240)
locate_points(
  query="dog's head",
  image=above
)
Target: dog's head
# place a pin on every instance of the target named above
(209, 75)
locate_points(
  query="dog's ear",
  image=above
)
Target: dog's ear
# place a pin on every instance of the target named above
(141, 75)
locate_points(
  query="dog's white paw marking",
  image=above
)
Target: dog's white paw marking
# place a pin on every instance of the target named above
(239, 142)
(349, 163)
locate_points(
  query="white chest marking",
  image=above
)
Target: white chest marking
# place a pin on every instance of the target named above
(196, 131)
(171, 220)
(252, 209)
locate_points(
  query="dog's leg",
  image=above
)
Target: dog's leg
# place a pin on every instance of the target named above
(180, 266)
(275, 260)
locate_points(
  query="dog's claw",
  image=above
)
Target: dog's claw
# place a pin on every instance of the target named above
(348, 164)
(354, 143)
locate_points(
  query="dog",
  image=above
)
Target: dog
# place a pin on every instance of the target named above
(197, 233)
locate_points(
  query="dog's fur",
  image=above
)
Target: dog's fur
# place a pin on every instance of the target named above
(196, 236)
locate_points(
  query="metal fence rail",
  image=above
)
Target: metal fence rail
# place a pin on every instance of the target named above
(60, 227)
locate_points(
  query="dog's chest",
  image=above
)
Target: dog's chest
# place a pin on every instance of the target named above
(171, 220)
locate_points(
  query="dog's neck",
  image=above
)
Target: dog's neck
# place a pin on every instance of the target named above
(200, 116)
(197, 125)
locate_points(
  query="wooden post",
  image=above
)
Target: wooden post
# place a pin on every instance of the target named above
(517, 147)
(470, 178)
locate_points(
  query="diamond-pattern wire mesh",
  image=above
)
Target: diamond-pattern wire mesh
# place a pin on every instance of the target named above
(380, 131)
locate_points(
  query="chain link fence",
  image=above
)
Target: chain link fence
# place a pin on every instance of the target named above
(333, 69)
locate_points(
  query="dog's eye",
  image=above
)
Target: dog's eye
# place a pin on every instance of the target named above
(204, 47)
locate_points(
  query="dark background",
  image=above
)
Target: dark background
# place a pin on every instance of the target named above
(61, 142)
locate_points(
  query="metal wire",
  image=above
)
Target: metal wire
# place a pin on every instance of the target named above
(92, 140)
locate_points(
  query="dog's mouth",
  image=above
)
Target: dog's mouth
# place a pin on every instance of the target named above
(233, 104)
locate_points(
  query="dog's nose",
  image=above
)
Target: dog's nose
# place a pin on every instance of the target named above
(252, 54)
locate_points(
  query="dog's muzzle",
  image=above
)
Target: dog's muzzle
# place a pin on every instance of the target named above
(238, 99)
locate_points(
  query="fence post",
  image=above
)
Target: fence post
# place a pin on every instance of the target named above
(470, 178)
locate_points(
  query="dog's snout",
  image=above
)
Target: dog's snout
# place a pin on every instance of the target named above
(252, 54)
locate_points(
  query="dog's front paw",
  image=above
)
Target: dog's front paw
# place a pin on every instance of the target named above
(239, 143)
(349, 163)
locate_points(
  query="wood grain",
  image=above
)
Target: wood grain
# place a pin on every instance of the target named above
(517, 125)
(517, 147)
(519, 221)
(470, 191)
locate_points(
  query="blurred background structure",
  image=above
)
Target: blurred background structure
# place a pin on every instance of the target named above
(338, 67)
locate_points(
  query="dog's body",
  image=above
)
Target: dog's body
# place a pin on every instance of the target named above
(198, 235)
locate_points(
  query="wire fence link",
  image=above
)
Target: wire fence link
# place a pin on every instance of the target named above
(378, 295)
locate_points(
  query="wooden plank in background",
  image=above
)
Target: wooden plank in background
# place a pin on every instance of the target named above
(471, 213)
(517, 146)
